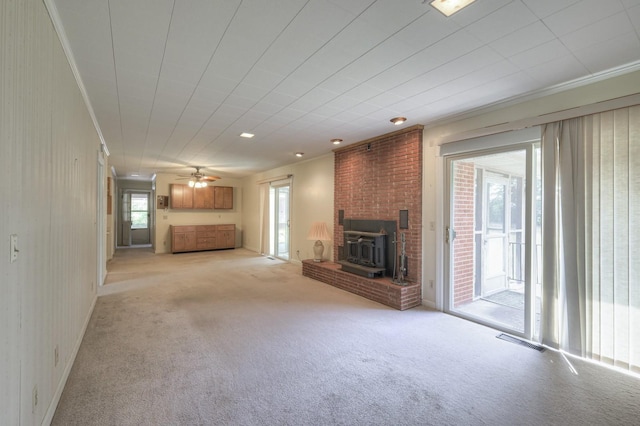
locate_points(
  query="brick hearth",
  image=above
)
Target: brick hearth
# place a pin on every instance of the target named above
(380, 290)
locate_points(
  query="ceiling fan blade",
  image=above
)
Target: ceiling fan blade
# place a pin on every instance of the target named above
(211, 178)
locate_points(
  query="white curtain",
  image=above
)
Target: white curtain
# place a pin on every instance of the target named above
(125, 224)
(591, 231)
(563, 324)
(264, 218)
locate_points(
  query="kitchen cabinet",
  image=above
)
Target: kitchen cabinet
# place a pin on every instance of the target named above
(207, 198)
(183, 238)
(225, 236)
(181, 196)
(223, 197)
(202, 237)
(203, 198)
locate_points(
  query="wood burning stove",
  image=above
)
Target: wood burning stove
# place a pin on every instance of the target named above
(366, 248)
(365, 251)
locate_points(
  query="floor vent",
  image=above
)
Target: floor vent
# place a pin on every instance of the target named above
(520, 342)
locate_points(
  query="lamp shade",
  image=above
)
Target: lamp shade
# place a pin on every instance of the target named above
(319, 231)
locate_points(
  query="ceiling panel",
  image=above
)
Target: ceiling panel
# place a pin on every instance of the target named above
(523, 39)
(600, 56)
(540, 54)
(557, 70)
(609, 28)
(183, 78)
(580, 14)
(544, 8)
(503, 21)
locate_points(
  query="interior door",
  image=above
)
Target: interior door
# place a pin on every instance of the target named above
(140, 218)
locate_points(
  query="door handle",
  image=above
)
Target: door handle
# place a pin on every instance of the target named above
(449, 234)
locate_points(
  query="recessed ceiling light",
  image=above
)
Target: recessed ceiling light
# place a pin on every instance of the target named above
(449, 7)
(398, 120)
(134, 175)
(246, 135)
(336, 141)
(299, 154)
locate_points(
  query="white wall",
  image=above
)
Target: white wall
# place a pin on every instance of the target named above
(573, 102)
(311, 201)
(167, 217)
(48, 196)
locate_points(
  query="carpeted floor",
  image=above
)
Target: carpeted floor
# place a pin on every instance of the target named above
(232, 338)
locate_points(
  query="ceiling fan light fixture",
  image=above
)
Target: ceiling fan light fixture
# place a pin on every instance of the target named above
(192, 183)
(449, 7)
(398, 120)
(336, 141)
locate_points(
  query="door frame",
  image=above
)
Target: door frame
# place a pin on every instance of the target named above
(101, 220)
(447, 247)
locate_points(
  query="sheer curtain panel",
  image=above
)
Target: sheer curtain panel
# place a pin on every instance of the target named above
(264, 218)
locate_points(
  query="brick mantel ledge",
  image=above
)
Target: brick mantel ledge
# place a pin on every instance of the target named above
(381, 290)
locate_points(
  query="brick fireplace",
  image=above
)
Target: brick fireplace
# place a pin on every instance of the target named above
(376, 179)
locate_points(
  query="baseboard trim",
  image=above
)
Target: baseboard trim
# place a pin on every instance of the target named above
(67, 369)
(428, 304)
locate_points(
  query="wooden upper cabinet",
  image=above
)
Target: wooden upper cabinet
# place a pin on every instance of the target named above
(203, 198)
(181, 196)
(223, 197)
(209, 197)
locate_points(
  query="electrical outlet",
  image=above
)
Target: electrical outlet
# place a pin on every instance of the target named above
(298, 252)
(430, 283)
(56, 356)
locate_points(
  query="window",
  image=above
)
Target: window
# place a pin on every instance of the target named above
(139, 211)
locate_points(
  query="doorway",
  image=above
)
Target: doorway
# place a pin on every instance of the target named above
(136, 218)
(279, 219)
(493, 238)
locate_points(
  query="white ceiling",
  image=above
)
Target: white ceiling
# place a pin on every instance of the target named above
(173, 83)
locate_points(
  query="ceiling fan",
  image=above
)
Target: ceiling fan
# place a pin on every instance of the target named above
(198, 179)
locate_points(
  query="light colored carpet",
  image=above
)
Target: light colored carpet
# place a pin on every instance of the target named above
(233, 338)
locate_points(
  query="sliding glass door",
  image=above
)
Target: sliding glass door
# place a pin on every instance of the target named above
(492, 238)
(279, 203)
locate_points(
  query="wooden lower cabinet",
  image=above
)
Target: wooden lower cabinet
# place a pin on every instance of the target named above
(202, 237)
(183, 238)
(226, 236)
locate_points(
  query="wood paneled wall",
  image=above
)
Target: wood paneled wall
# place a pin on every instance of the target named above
(48, 198)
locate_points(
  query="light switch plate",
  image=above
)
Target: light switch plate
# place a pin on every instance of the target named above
(13, 249)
